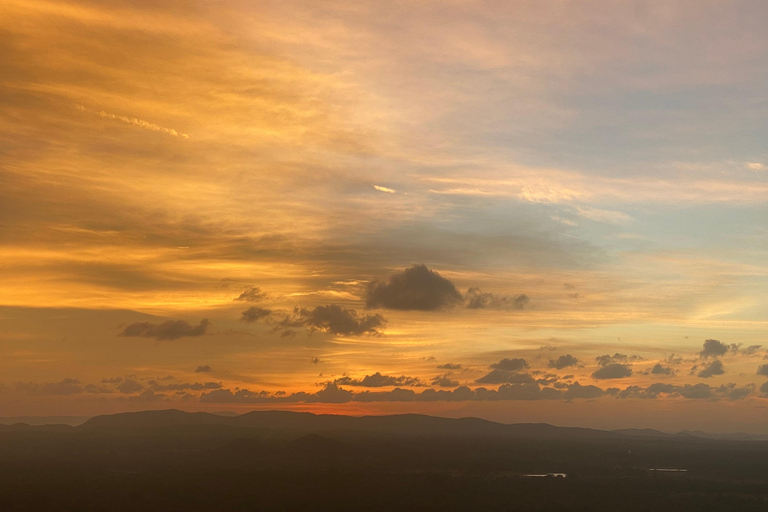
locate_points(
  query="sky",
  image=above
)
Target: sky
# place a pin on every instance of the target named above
(523, 211)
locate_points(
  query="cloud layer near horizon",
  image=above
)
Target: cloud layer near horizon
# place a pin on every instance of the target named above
(382, 194)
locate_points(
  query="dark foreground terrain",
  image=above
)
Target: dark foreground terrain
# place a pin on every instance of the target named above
(170, 460)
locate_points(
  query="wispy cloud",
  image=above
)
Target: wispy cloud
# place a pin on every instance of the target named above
(146, 125)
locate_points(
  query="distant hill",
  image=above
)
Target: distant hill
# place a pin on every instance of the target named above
(416, 425)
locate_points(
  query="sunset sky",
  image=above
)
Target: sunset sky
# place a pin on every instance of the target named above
(523, 211)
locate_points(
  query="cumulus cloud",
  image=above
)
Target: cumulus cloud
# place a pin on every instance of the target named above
(129, 386)
(183, 386)
(607, 359)
(714, 368)
(378, 380)
(658, 369)
(713, 348)
(731, 391)
(333, 393)
(505, 376)
(203, 369)
(613, 371)
(477, 299)
(252, 294)
(254, 314)
(510, 365)
(763, 370)
(444, 381)
(67, 386)
(415, 288)
(336, 320)
(563, 362)
(168, 330)
(449, 366)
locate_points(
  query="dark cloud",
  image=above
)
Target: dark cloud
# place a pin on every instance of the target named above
(510, 365)
(332, 393)
(66, 386)
(505, 376)
(607, 359)
(576, 390)
(731, 391)
(252, 294)
(415, 288)
(112, 380)
(713, 348)
(203, 369)
(129, 386)
(477, 299)
(449, 366)
(378, 380)
(563, 362)
(168, 330)
(254, 313)
(96, 390)
(658, 369)
(63, 387)
(764, 389)
(531, 390)
(763, 370)
(698, 391)
(613, 371)
(183, 386)
(714, 368)
(336, 320)
(444, 381)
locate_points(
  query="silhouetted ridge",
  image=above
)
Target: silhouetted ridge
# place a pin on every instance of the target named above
(415, 425)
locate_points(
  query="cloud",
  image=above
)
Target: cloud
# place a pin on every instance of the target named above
(449, 366)
(444, 381)
(477, 299)
(134, 121)
(531, 390)
(64, 387)
(613, 371)
(203, 369)
(604, 216)
(755, 166)
(762, 370)
(764, 389)
(415, 288)
(714, 368)
(713, 348)
(183, 386)
(505, 376)
(731, 391)
(510, 365)
(378, 380)
(385, 189)
(129, 386)
(254, 314)
(336, 320)
(168, 330)
(699, 391)
(563, 362)
(607, 359)
(252, 294)
(658, 369)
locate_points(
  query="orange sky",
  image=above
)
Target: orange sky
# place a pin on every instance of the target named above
(411, 196)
